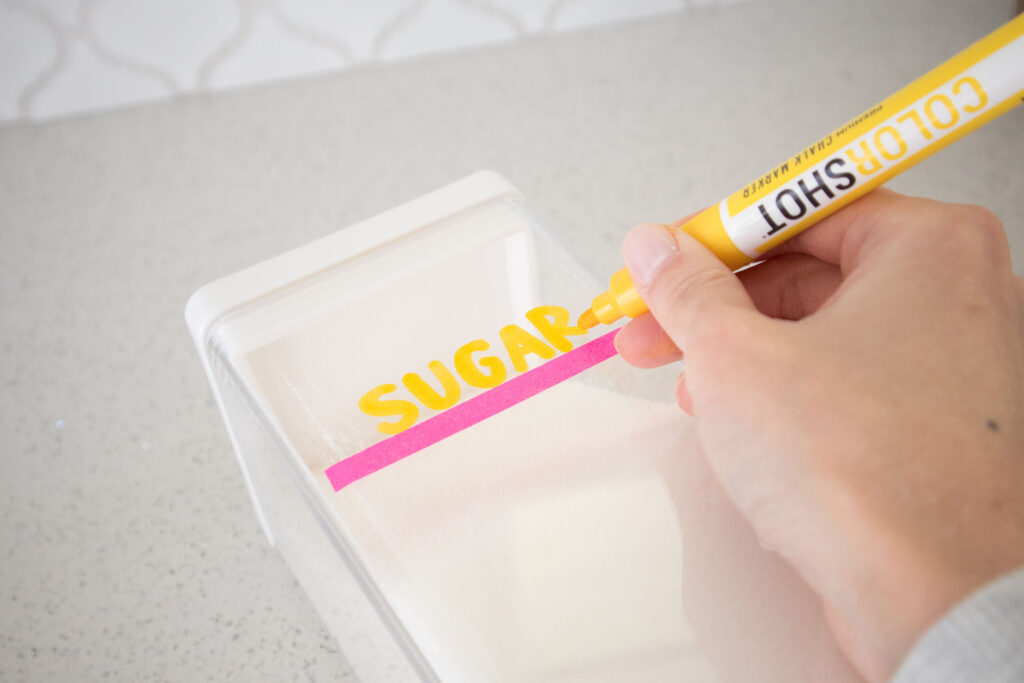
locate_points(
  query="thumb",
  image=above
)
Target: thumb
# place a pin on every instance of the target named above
(681, 281)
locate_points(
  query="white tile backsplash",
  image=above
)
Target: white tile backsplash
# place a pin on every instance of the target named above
(443, 25)
(570, 15)
(174, 36)
(357, 26)
(66, 57)
(88, 82)
(65, 12)
(269, 51)
(27, 49)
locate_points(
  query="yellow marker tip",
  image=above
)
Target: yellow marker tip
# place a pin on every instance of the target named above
(587, 320)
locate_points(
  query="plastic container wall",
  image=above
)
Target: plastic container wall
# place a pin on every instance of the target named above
(540, 545)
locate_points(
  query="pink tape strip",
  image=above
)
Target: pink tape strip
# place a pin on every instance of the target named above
(457, 418)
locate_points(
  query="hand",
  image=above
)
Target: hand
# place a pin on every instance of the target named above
(860, 395)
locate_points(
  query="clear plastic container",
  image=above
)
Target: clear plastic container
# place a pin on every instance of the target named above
(542, 544)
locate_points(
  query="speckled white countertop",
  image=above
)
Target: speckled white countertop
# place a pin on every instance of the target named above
(129, 548)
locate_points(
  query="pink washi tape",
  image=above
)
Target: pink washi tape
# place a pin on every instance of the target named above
(457, 418)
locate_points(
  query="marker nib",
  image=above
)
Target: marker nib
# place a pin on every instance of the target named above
(587, 320)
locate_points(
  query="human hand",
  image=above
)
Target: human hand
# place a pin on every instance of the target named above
(860, 395)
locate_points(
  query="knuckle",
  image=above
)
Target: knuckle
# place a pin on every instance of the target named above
(978, 233)
(983, 223)
(963, 231)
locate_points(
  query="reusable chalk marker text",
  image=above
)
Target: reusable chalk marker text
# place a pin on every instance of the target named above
(472, 411)
(473, 366)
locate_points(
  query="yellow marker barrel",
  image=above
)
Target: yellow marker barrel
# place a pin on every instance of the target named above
(957, 97)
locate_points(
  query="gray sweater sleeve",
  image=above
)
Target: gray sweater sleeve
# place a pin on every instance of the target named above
(980, 641)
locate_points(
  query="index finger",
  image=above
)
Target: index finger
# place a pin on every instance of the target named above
(878, 217)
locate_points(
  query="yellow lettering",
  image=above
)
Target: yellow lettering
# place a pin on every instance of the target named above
(470, 371)
(978, 90)
(472, 368)
(553, 324)
(518, 342)
(868, 163)
(426, 394)
(929, 109)
(916, 118)
(901, 145)
(371, 404)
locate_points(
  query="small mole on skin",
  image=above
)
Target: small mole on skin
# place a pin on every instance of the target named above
(992, 425)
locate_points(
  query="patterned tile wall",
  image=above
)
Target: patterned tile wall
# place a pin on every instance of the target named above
(65, 57)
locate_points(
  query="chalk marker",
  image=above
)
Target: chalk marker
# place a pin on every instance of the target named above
(957, 97)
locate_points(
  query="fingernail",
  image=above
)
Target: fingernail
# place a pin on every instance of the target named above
(647, 248)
